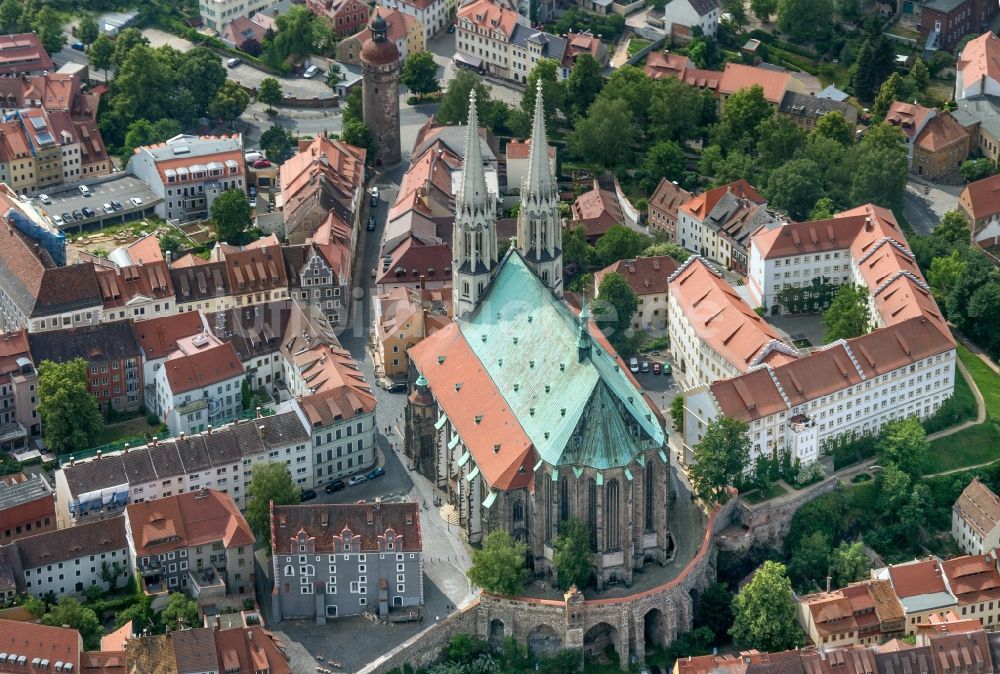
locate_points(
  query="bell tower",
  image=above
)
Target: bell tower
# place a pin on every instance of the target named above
(539, 227)
(474, 241)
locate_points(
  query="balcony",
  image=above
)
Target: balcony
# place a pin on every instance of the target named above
(206, 582)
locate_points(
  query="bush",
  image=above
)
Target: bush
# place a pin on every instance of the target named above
(846, 451)
(809, 474)
(152, 419)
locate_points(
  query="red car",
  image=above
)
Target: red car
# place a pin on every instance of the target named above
(261, 163)
(657, 368)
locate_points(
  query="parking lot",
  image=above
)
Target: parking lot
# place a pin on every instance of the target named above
(121, 189)
(661, 388)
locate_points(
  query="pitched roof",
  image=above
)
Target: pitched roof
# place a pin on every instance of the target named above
(249, 649)
(973, 578)
(186, 520)
(659, 64)
(941, 132)
(200, 282)
(321, 164)
(191, 369)
(368, 523)
(737, 76)
(120, 285)
(979, 506)
(645, 275)
(909, 117)
(794, 103)
(980, 59)
(719, 315)
(94, 343)
(669, 196)
(983, 197)
(916, 578)
(399, 25)
(34, 641)
(23, 53)
(489, 16)
(157, 337)
(60, 545)
(702, 205)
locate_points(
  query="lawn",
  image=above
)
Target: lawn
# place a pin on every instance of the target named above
(986, 380)
(758, 495)
(636, 44)
(124, 429)
(970, 447)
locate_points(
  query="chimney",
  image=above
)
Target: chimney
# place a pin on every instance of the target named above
(258, 411)
(181, 436)
(828, 583)
(210, 429)
(263, 431)
(98, 455)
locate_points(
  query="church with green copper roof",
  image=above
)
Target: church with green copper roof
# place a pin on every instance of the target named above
(521, 412)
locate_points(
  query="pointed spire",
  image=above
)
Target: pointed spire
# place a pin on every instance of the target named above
(473, 178)
(539, 178)
(583, 345)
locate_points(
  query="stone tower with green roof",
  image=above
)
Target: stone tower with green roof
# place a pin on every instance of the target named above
(539, 227)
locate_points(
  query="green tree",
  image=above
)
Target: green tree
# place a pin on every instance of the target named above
(48, 25)
(810, 561)
(849, 315)
(143, 132)
(454, 108)
(919, 76)
(892, 90)
(88, 30)
(944, 274)
(230, 102)
(420, 73)
(972, 170)
(546, 70)
(737, 13)
(268, 482)
(299, 32)
(203, 75)
(764, 9)
(667, 248)
(355, 132)
(613, 310)
(764, 612)
(983, 314)
(893, 489)
(977, 273)
(29, 10)
(100, 52)
(675, 111)
(805, 20)
(69, 612)
(231, 215)
(124, 42)
(138, 612)
(576, 251)
(10, 16)
(742, 114)
(35, 606)
(69, 413)
(875, 62)
(143, 86)
(180, 612)
(878, 167)
(713, 608)
(904, 442)
(677, 413)
(572, 557)
(111, 574)
(355, 107)
(171, 242)
(604, 137)
(721, 458)
(269, 93)
(278, 143)
(848, 563)
(663, 160)
(498, 567)
(778, 140)
(583, 85)
(793, 187)
(834, 125)
(631, 86)
(823, 209)
(332, 75)
(953, 228)
(619, 243)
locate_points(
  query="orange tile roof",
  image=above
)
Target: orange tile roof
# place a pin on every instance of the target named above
(520, 149)
(157, 337)
(973, 578)
(980, 59)
(55, 644)
(255, 270)
(669, 196)
(908, 117)
(250, 649)
(701, 205)
(333, 240)
(645, 275)
(186, 520)
(718, 315)
(942, 132)
(983, 197)
(465, 388)
(400, 25)
(146, 249)
(341, 164)
(737, 76)
(979, 506)
(188, 372)
(916, 578)
(120, 286)
(23, 53)
(489, 16)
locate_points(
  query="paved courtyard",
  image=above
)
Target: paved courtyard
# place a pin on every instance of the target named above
(925, 204)
(802, 326)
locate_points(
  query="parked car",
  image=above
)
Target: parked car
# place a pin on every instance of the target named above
(117, 205)
(374, 201)
(334, 486)
(68, 217)
(108, 208)
(252, 191)
(356, 480)
(89, 212)
(379, 471)
(396, 387)
(233, 62)
(451, 28)
(307, 495)
(645, 367)
(657, 368)
(371, 223)
(310, 72)
(44, 198)
(253, 202)
(79, 46)
(78, 215)
(57, 221)
(633, 365)
(261, 163)
(375, 191)
(84, 190)
(135, 201)
(666, 368)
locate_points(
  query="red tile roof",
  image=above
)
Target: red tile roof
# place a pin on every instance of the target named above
(916, 578)
(157, 337)
(700, 206)
(489, 16)
(55, 644)
(669, 196)
(325, 524)
(186, 520)
(202, 368)
(645, 275)
(973, 578)
(983, 197)
(250, 649)
(979, 506)
(980, 59)
(941, 133)
(342, 166)
(120, 286)
(908, 117)
(737, 76)
(23, 53)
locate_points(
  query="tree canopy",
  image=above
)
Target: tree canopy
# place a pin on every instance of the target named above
(498, 567)
(69, 413)
(180, 612)
(269, 92)
(615, 305)
(268, 482)
(231, 215)
(420, 73)
(721, 457)
(229, 102)
(572, 557)
(849, 315)
(69, 612)
(764, 612)
(904, 442)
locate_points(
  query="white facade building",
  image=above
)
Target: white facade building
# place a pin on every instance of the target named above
(216, 14)
(702, 14)
(432, 14)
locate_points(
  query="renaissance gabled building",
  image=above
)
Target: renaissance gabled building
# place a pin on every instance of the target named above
(521, 410)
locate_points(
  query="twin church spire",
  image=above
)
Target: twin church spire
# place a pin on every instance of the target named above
(475, 253)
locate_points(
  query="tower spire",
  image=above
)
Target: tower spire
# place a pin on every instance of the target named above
(539, 178)
(583, 345)
(473, 190)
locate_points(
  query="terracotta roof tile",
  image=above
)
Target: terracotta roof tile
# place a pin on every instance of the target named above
(201, 368)
(737, 76)
(942, 132)
(326, 522)
(54, 644)
(645, 275)
(979, 506)
(909, 117)
(980, 59)
(23, 53)
(187, 520)
(157, 337)
(983, 197)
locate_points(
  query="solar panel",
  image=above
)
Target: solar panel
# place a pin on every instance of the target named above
(38, 123)
(45, 138)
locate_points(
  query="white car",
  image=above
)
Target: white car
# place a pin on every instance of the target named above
(136, 201)
(356, 480)
(108, 208)
(375, 191)
(44, 198)
(253, 202)
(57, 221)
(310, 72)
(84, 190)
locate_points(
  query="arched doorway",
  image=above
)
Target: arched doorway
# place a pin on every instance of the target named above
(543, 641)
(653, 628)
(496, 634)
(602, 643)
